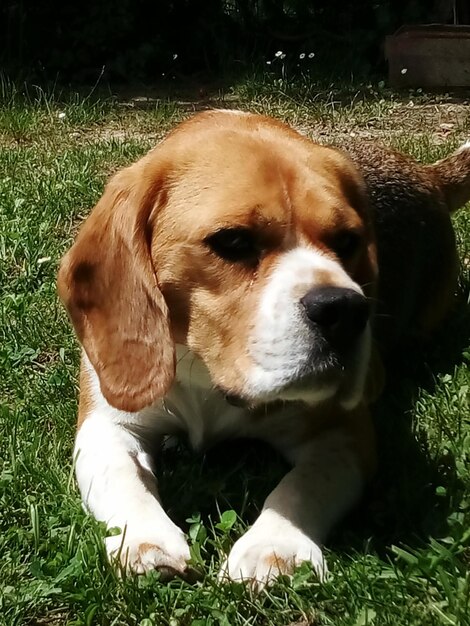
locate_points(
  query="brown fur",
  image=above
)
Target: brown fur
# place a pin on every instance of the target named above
(143, 249)
(143, 276)
(140, 277)
(276, 563)
(452, 176)
(86, 403)
(411, 206)
(108, 285)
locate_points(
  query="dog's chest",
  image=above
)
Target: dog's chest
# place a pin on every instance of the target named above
(194, 408)
(203, 415)
(205, 418)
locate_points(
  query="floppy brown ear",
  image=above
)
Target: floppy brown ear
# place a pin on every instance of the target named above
(109, 286)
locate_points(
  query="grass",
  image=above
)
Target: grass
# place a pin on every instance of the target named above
(402, 558)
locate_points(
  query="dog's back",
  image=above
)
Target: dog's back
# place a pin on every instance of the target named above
(411, 207)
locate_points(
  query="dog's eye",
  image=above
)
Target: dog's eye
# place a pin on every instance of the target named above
(346, 244)
(234, 244)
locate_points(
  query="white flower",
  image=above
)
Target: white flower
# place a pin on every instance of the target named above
(278, 54)
(268, 62)
(61, 115)
(404, 70)
(302, 55)
(283, 56)
(311, 55)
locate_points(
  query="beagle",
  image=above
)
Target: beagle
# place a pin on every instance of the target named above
(229, 284)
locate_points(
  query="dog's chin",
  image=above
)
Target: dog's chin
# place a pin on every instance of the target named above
(312, 387)
(321, 380)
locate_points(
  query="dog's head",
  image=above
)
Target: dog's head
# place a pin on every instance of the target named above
(241, 240)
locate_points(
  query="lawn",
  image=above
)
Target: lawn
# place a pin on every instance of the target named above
(402, 558)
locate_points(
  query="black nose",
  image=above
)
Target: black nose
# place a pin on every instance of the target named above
(340, 314)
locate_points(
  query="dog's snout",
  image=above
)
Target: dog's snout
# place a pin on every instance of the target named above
(340, 314)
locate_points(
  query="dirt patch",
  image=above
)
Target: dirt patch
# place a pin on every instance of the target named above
(438, 121)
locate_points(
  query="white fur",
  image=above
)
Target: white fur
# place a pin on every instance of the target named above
(110, 464)
(115, 470)
(280, 346)
(272, 546)
(115, 476)
(298, 514)
(234, 112)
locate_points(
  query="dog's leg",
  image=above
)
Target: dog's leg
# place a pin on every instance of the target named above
(325, 482)
(118, 486)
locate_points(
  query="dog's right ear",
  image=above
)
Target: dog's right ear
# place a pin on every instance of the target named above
(108, 284)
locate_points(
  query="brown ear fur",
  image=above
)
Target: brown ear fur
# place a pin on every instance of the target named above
(108, 284)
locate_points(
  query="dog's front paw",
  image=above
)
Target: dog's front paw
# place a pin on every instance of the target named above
(259, 557)
(138, 550)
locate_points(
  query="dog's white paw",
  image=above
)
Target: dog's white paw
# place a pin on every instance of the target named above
(138, 550)
(259, 557)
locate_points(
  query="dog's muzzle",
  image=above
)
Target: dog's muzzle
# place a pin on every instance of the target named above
(337, 314)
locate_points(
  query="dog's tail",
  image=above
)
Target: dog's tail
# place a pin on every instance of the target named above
(452, 175)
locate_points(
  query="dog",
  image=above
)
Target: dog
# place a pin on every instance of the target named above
(241, 280)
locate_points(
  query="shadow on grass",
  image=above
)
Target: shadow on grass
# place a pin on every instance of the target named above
(415, 490)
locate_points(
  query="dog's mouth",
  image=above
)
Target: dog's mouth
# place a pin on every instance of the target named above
(311, 383)
(236, 400)
(325, 374)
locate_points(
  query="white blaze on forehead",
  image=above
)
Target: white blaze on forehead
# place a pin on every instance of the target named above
(281, 342)
(302, 269)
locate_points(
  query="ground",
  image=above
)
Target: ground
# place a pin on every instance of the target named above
(402, 558)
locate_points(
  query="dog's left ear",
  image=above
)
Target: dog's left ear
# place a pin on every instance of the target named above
(108, 284)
